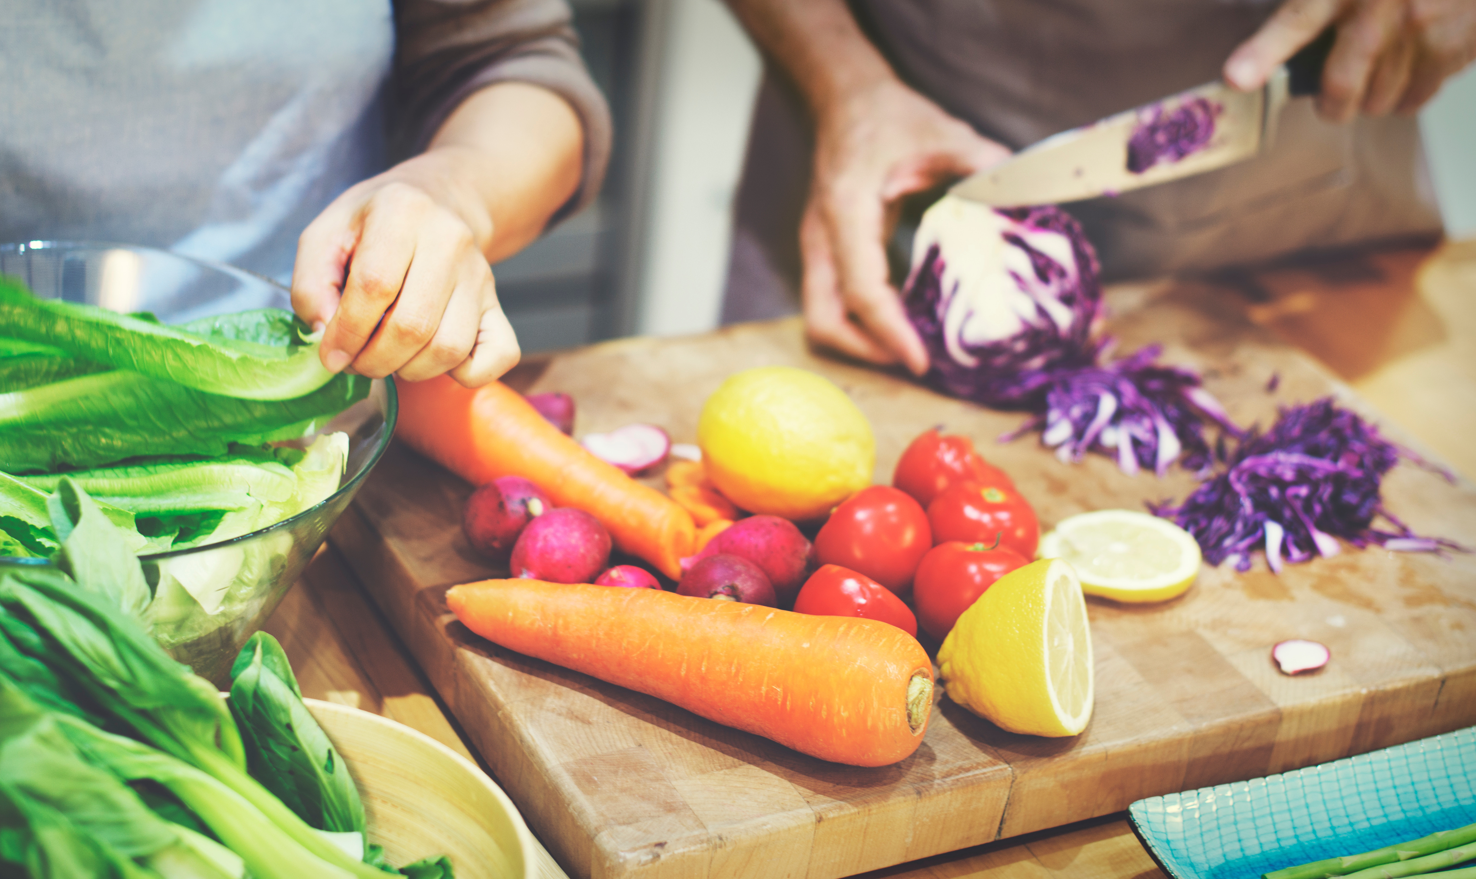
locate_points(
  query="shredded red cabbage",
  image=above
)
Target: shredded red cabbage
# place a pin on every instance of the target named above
(1169, 137)
(1042, 354)
(1312, 478)
(1146, 414)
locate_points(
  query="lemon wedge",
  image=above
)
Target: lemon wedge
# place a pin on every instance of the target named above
(1125, 555)
(1021, 655)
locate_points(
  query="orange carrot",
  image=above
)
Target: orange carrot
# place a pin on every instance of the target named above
(493, 431)
(688, 485)
(709, 531)
(685, 473)
(704, 502)
(844, 689)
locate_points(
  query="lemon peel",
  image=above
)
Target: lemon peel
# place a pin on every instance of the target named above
(785, 441)
(1021, 655)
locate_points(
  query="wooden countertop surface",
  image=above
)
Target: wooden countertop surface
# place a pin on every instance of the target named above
(1399, 327)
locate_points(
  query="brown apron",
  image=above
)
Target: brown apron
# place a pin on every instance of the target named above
(1020, 70)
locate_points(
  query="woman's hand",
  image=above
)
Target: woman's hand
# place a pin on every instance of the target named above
(1389, 55)
(394, 268)
(873, 147)
(397, 269)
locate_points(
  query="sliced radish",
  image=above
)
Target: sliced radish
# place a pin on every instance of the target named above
(632, 448)
(557, 408)
(1297, 656)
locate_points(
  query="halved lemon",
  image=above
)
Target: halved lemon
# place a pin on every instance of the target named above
(1125, 555)
(1021, 655)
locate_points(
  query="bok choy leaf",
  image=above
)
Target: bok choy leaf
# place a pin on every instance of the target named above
(285, 748)
(258, 355)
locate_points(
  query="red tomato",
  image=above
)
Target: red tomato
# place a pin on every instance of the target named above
(952, 576)
(933, 462)
(879, 531)
(977, 513)
(834, 591)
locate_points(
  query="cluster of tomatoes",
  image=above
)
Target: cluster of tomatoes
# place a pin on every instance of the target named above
(943, 532)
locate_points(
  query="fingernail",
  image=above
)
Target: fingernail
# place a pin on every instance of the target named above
(319, 326)
(336, 360)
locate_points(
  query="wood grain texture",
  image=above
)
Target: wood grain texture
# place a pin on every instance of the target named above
(619, 784)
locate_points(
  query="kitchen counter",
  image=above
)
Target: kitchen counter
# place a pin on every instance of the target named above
(1399, 328)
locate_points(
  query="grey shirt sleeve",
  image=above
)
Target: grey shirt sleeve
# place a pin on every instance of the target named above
(447, 49)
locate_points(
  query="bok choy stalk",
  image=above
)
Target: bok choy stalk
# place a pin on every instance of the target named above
(264, 355)
(65, 816)
(70, 648)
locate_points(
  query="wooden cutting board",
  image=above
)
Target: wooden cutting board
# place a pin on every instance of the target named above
(622, 785)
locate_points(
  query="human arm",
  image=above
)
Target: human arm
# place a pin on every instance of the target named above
(1388, 56)
(504, 132)
(876, 141)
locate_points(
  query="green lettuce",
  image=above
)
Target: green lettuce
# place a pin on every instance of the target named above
(109, 417)
(260, 355)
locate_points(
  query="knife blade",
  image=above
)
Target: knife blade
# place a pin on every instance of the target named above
(1108, 157)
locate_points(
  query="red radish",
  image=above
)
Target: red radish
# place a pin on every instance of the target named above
(774, 544)
(564, 545)
(557, 408)
(496, 513)
(632, 448)
(1297, 656)
(728, 578)
(630, 576)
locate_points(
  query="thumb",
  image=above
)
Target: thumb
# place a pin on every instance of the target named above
(324, 251)
(1293, 25)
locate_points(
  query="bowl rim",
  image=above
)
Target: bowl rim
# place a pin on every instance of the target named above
(391, 408)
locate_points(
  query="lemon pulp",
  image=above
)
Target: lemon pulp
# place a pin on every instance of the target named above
(1126, 555)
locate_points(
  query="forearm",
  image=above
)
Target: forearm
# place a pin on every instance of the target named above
(509, 156)
(819, 45)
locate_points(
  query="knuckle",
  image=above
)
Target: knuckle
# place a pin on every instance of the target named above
(375, 283)
(407, 330)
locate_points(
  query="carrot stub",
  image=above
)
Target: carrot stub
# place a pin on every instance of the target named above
(844, 689)
(484, 433)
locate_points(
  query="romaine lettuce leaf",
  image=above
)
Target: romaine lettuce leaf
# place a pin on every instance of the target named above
(259, 355)
(26, 365)
(111, 416)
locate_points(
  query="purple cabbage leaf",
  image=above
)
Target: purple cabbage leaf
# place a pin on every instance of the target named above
(1010, 319)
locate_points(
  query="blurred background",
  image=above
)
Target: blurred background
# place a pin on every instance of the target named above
(649, 257)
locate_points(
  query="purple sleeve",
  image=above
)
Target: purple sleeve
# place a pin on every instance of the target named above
(447, 49)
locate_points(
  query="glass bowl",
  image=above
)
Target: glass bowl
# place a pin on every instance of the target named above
(245, 577)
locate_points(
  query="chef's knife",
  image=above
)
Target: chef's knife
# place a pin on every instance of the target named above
(1097, 160)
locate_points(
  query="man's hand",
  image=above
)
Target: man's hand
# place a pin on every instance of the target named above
(1389, 55)
(876, 141)
(873, 148)
(417, 296)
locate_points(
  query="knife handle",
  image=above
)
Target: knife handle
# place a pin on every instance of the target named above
(1304, 69)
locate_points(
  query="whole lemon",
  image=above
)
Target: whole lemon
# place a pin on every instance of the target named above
(784, 441)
